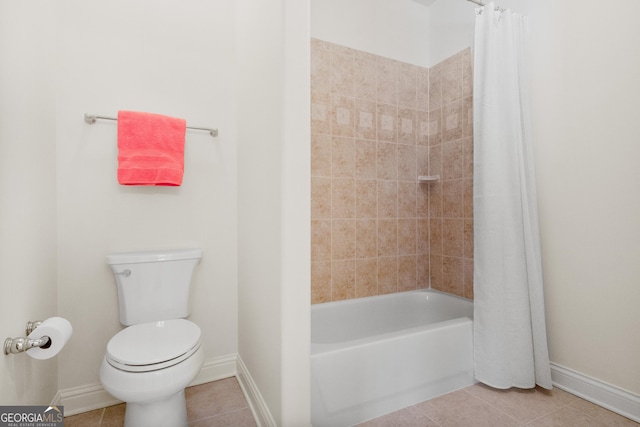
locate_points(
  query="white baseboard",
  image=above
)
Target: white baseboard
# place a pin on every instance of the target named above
(89, 397)
(216, 369)
(258, 406)
(602, 394)
(85, 398)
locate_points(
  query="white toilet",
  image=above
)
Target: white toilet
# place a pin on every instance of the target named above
(150, 362)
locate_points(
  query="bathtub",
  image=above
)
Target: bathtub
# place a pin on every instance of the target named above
(372, 356)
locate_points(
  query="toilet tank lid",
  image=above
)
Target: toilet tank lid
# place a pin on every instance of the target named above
(153, 256)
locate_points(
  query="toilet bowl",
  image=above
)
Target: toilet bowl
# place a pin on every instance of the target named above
(148, 366)
(149, 363)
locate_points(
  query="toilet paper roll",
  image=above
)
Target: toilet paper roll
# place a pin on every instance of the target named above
(58, 330)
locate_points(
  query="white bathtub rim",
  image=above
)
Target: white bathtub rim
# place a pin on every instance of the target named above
(320, 349)
(364, 299)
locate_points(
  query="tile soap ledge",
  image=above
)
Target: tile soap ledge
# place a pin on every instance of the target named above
(428, 178)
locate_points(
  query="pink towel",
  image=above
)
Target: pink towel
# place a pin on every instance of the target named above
(150, 149)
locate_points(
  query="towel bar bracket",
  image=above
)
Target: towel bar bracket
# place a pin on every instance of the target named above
(91, 119)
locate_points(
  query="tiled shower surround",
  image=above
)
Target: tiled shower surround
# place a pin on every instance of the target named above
(376, 124)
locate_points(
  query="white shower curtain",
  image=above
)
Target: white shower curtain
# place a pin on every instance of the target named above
(510, 342)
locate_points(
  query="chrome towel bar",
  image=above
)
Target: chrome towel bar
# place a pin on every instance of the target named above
(91, 119)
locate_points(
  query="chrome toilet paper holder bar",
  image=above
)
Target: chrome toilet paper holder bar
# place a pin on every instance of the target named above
(22, 344)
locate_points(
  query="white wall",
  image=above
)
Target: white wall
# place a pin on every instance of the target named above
(273, 205)
(63, 210)
(584, 68)
(27, 193)
(450, 28)
(175, 61)
(396, 29)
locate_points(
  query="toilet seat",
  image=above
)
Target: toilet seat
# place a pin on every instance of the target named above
(152, 346)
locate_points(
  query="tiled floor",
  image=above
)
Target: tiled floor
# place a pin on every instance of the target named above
(215, 404)
(479, 406)
(222, 404)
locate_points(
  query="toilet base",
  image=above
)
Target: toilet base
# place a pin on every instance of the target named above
(170, 412)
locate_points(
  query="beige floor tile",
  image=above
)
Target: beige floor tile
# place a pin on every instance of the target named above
(602, 415)
(113, 416)
(566, 417)
(86, 419)
(523, 405)
(462, 409)
(238, 418)
(408, 417)
(214, 398)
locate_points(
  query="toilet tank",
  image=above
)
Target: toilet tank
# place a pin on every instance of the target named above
(154, 285)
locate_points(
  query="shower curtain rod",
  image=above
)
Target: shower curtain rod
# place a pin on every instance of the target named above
(482, 3)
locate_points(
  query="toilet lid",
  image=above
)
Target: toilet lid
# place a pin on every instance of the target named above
(154, 345)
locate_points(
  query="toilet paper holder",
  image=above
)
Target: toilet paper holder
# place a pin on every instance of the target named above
(22, 344)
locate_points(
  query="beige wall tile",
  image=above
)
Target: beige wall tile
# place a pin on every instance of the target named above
(435, 272)
(343, 239)
(467, 116)
(435, 87)
(452, 160)
(435, 126)
(377, 124)
(407, 126)
(468, 279)
(387, 161)
(422, 236)
(343, 157)
(407, 199)
(387, 237)
(422, 102)
(452, 79)
(342, 74)
(407, 273)
(320, 282)
(452, 275)
(365, 80)
(423, 127)
(366, 119)
(320, 240)
(407, 85)
(435, 200)
(366, 159)
(320, 112)
(387, 81)
(366, 198)
(387, 275)
(366, 277)
(407, 162)
(387, 199)
(366, 238)
(407, 235)
(343, 277)
(320, 155)
(422, 271)
(320, 198)
(435, 236)
(453, 237)
(343, 198)
(387, 118)
(452, 198)
(422, 199)
(452, 121)
(342, 116)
